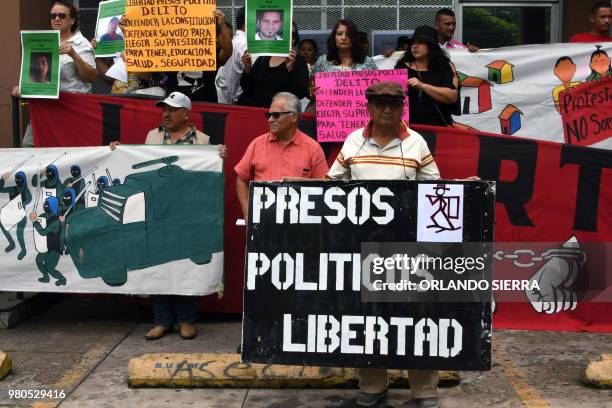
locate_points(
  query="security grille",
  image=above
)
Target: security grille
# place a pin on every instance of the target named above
(88, 14)
(367, 14)
(314, 15)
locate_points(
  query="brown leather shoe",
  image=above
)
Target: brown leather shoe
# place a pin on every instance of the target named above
(157, 332)
(188, 331)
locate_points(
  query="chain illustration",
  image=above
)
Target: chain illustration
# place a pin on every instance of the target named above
(526, 258)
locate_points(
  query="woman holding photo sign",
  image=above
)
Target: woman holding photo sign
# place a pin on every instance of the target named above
(77, 62)
(270, 75)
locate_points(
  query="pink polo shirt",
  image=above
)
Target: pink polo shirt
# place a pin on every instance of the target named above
(267, 159)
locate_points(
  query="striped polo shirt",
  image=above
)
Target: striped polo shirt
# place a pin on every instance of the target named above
(406, 157)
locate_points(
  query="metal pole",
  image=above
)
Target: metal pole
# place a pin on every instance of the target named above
(324, 11)
(15, 102)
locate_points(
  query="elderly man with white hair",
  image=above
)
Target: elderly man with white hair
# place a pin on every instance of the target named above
(282, 153)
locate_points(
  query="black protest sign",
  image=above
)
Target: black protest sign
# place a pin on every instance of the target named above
(308, 279)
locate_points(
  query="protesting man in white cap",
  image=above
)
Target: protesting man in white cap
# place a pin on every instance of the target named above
(175, 127)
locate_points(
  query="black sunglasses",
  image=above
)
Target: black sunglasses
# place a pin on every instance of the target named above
(62, 16)
(383, 103)
(275, 115)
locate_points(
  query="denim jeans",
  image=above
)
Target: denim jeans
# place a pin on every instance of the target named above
(170, 309)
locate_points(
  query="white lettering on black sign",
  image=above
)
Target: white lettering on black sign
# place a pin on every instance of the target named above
(298, 207)
(318, 252)
(325, 334)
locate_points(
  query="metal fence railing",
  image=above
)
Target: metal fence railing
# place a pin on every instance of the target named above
(16, 121)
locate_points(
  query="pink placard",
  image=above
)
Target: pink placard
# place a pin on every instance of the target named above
(341, 101)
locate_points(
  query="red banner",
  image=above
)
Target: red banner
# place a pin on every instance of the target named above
(546, 192)
(587, 112)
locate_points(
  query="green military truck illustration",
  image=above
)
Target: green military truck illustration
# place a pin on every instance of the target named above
(154, 217)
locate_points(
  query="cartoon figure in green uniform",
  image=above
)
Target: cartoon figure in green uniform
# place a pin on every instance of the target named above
(49, 254)
(76, 182)
(14, 212)
(68, 200)
(101, 184)
(70, 203)
(52, 185)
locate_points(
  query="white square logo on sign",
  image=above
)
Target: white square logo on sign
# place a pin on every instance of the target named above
(440, 213)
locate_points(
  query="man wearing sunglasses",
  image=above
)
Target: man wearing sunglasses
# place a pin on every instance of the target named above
(282, 153)
(386, 149)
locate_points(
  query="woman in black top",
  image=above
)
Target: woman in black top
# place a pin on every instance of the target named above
(271, 75)
(432, 80)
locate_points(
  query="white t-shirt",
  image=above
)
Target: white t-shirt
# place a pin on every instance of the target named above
(69, 77)
(230, 73)
(276, 37)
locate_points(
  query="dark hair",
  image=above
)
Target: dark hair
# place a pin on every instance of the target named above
(357, 52)
(74, 13)
(402, 41)
(240, 18)
(295, 39)
(561, 59)
(436, 57)
(598, 5)
(598, 51)
(311, 41)
(444, 12)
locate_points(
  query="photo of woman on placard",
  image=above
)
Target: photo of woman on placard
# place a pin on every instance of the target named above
(40, 67)
(269, 25)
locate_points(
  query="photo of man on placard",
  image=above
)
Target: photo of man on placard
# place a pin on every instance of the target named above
(113, 33)
(40, 67)
(269, 25)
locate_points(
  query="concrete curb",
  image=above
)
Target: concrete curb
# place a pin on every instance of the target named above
(212, 370)
(15, 309)
(6, 365)
(599, 373)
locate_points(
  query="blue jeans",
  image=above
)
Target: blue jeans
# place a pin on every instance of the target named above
(170, 309)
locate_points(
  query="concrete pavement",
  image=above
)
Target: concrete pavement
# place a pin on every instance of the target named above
(83, 347)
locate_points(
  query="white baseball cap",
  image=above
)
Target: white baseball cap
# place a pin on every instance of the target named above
(176, 100)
